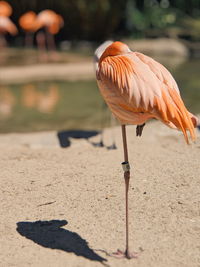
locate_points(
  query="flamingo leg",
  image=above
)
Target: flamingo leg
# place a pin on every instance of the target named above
(50, 41)
(3, 42)
(41, 44)
(29, 40)
(126, 169)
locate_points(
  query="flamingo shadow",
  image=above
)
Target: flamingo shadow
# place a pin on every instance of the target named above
(49, 234)
(63, 136)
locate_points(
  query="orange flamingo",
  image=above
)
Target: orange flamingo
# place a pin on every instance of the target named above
(5, 9)
(52, 23)
(28, 22)
(137, 88)
(6, 26)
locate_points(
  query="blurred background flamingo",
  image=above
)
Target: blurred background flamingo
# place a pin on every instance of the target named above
(47, 22)
(51, 22)
(28, 22)
(6, 25)
(5, 9)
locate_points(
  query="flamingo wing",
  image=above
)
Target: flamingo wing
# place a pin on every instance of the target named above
(6, 25)
(138, 84)
(11, 28)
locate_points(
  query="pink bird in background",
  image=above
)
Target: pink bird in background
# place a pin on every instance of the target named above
(137, 88)
(6, 25)
(47, 20)
(28, 22)
(5, 9)
(52, 23)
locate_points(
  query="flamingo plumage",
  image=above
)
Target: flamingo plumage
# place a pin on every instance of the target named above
(28, 22)
(7, 26)
(97, 55)
(5, 9)
(137, 88)
(52, 22)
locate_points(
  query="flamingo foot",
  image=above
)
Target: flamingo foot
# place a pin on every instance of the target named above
(139, 129)
(100, 144)
(113, 146)
(124, 254)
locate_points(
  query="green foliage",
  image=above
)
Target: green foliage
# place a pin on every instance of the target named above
(154, 15)
(192, 26)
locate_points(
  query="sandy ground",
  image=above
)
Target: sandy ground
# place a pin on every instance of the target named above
(65, 206)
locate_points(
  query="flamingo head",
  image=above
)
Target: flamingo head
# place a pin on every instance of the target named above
(115, 49)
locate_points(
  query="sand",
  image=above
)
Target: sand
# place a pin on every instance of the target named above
(65, 206)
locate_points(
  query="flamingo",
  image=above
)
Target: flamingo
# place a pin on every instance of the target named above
(28, 22)
(137, 88)
(6, 26)
(52, 22)
(5, 9)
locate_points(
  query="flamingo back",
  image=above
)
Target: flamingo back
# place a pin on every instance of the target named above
(6, 25)
(28, 21)
(51, 20)
(5, 9)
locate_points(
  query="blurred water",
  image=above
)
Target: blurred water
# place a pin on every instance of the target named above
(74, 105)
(47, 106)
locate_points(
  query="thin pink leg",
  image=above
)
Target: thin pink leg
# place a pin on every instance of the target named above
(29, 39)
(126, 168)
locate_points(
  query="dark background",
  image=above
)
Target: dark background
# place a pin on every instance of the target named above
(97, 20)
